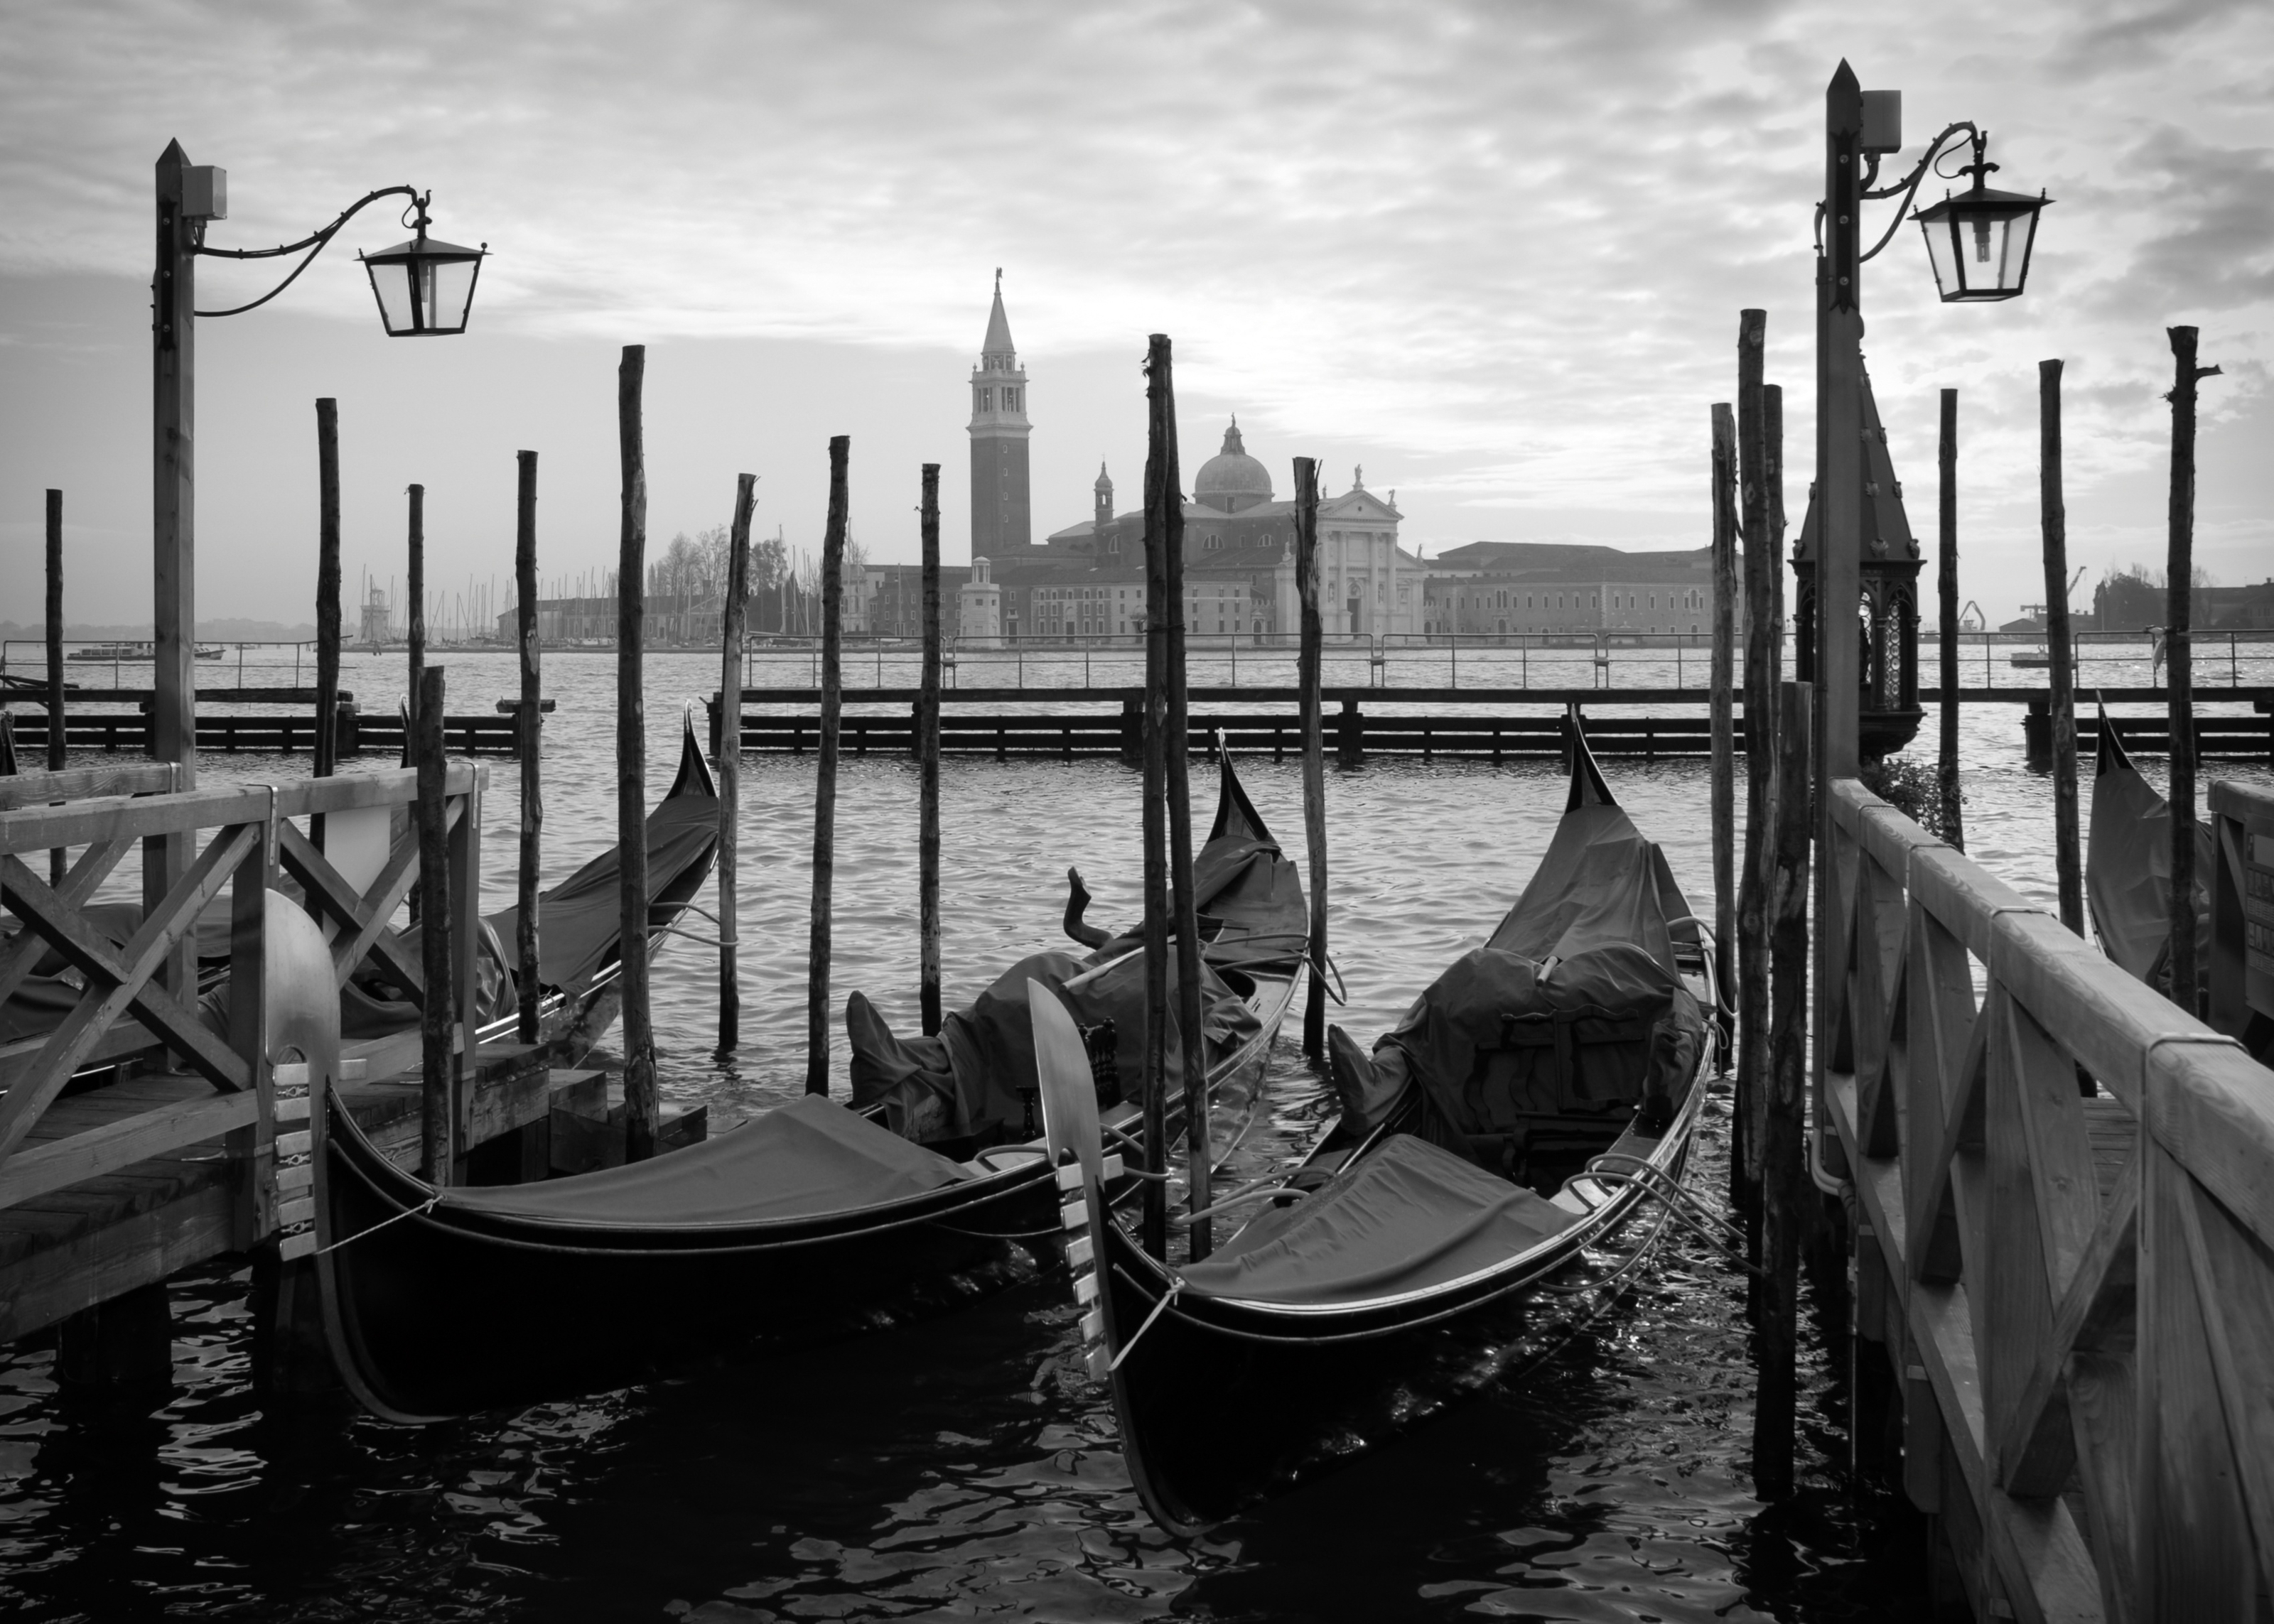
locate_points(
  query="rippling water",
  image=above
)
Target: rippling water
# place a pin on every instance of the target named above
(961, 1469)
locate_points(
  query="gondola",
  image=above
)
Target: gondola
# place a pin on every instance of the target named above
(1541, 1089)
(2127, 868)
(810, 1221)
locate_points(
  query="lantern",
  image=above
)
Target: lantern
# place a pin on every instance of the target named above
(1979, 242)
(425, 286)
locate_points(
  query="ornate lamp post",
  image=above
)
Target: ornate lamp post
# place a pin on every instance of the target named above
(1972, 240)
(423, 288)
(1979, 242)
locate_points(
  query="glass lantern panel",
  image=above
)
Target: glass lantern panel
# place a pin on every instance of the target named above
(1942, 252)
(391, 280)
(450, 290)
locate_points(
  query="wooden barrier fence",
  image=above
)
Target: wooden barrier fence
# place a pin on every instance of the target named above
(2063, 1190)
(99, 1193)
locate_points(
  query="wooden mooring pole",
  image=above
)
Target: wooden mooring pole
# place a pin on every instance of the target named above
(643, 1108)
(1724, 461)
(529, 723)
(825, 777)
(1177, 758)
(58, 858)
(1162, 509)
(1763, 613)
(729, 753)
(2179, 653)
(328, 589)
(437, 1059)
(414, 565)
(927, 935)
(1786, 1191)
(1953, 828)
(2060, 650)
(1309, 660)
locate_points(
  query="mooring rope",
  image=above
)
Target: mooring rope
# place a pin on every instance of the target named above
(408, 1212)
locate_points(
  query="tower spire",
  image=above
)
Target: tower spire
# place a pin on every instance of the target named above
(1000, 523)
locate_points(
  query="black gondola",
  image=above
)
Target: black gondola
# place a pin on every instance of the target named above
(2127, 868)
(809, 1221)
(1531, 1097)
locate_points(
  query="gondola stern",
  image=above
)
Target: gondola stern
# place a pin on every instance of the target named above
(694, 777)
(1231, 801)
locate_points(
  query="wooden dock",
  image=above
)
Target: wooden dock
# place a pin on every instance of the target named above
(139, 1137)
(355, 734)
(1493, 724)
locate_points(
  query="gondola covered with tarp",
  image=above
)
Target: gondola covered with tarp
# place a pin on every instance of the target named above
(2127, 868)
(812, 1219)
(1528, 1100)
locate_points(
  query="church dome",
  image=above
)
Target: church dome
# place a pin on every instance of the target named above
(1232, 479)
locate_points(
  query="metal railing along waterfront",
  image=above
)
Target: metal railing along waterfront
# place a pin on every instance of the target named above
(2063, 1187)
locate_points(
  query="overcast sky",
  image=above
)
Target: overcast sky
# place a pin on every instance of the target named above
(1496, 253)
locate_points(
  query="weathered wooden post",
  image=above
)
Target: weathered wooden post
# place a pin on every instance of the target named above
(1764, 613)
(824, 778)
(927, 933)
(2060, 652)
(1309, 659)
(173, 557)
(1161, 398)
(437, 1056)
(327, 587)
(1164, 528)
(1723, 723)
(529, 725)
(1954, 829)
(2178, 652)
(414, 565)
(729, 754)
(643, 1108)
(1786, 1188)
(59, 859)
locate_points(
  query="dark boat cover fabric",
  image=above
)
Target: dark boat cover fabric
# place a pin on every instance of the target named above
(1408, 1217)
(1574, 1007)
(2127, 868)
(970, 1078)
(577, 919)
(804, 1159)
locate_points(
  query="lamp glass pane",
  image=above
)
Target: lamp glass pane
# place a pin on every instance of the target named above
(1942, 253)
(451, 291)
(391, 282)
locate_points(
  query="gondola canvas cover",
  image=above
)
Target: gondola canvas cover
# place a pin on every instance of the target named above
(802, 1160)
(1409, 1217)
(2128, 870)
(578, 920)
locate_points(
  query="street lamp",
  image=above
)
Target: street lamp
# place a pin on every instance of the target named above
(436, 287)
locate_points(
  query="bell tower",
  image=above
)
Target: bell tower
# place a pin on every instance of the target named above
(1001, 521)
(1101, 511)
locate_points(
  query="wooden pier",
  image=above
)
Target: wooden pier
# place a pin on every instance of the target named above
(354, 734)
(1493, 724)
(149, 1131)
(2061, 1188)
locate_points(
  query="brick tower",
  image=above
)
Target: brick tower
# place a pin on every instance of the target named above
(1001, 522)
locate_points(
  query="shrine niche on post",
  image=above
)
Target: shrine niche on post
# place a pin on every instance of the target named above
(1888, 713)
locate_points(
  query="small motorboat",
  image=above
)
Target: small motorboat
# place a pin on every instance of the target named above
(1532, 1097)
(2029, 656)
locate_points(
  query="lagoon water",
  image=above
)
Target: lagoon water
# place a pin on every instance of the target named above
(961, 1469)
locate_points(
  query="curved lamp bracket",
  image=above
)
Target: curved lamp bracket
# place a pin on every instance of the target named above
(315, 242)
(1908, 187)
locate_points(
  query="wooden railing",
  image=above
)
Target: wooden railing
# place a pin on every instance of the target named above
(136, 1004)
(2064, 1196)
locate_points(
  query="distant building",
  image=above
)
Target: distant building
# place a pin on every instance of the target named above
(1494, 587)
(979, 608)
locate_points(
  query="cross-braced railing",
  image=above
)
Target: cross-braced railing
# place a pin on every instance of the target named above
(142, 1002)
(2065, 1201)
